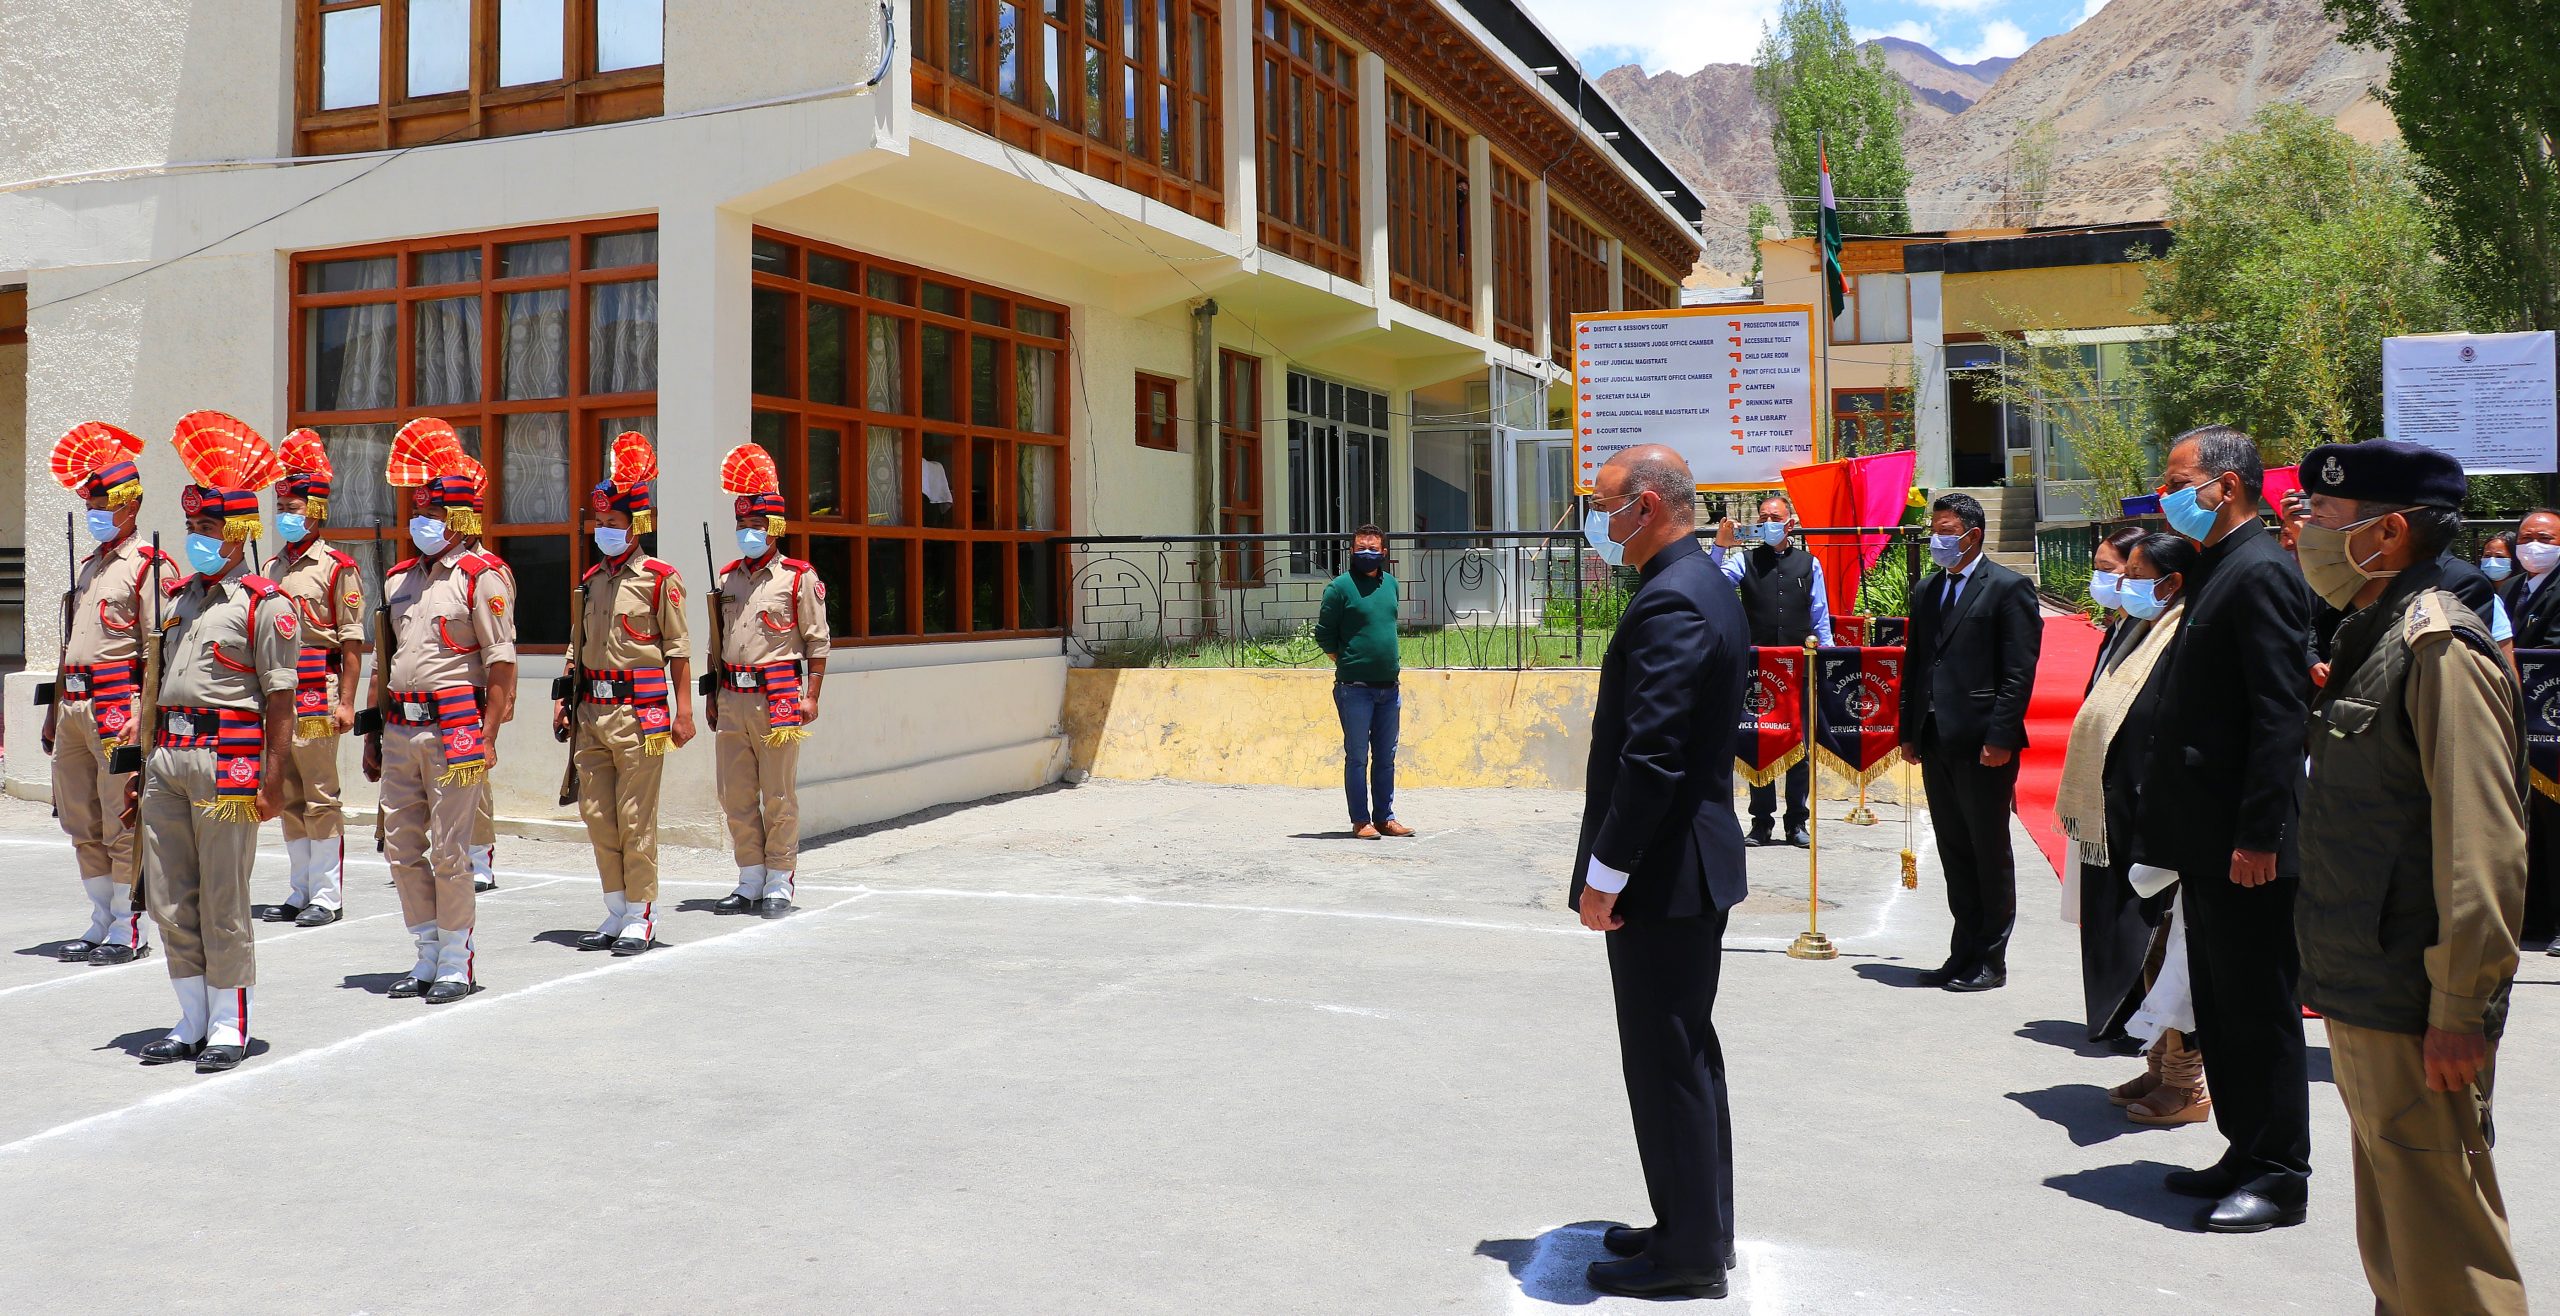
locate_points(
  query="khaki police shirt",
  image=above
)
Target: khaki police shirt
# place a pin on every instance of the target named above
(2462, 711)
(448, 631)
(631, 620)
(761, 620)
(110, 614)
(215, 656)
(327, 593)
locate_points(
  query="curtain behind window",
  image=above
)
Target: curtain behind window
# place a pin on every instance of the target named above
(622, 337)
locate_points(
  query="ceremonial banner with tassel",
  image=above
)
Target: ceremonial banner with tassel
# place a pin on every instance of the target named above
(2538, 674)
(1770, 739)
(782, 704)
(1888, 632)
(311, 695)
(459, 734)
(1849, 631)
(1860, 690)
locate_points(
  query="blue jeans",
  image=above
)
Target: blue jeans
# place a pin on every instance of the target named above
(1368, 750)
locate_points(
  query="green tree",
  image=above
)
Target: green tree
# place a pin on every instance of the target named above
(2474, 88)
(1762, 218)
(2062, 385)
(1818, 83)
(2298, 251)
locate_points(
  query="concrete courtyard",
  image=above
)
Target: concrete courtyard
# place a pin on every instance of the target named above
(1116, 1048)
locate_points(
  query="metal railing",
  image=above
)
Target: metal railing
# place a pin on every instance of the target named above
(1480, 600)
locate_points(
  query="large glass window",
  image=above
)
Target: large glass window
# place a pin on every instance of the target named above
(1515, 312)
(1427, 210)
(1878, 310)
(1644, 290)
(1577, 276)
(539, 346)
(918, 422)
(1124, 90)
(1307, 117)
(383, 73)
(1337, 467)
(1240, 461)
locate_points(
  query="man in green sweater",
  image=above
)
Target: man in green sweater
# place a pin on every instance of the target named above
(1356, 628)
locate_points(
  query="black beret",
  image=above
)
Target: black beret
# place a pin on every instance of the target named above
(2385, 471)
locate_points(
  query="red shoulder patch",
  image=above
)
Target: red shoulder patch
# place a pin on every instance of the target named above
(473, 564)
(341, 559)
(592, 573)
(404, 564)
(171, 587)
(657, 568)
(733, 566)
(797, 565)
(260, 586)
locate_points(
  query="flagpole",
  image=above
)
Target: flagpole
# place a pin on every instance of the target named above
(1812, 945)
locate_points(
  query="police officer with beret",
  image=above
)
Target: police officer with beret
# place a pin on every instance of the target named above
(2413, 864)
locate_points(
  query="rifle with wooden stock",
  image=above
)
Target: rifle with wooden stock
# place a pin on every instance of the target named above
(386, 642)
(709, 685)
(565, 689)
(134, 755)
(48, 693)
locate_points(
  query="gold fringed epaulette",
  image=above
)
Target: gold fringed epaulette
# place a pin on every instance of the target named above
(780, 736)
(468, 774)
(314, 728)
(231, 808)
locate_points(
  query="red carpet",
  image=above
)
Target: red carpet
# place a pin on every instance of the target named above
(2062, 677)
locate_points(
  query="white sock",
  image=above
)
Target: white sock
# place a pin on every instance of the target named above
(425, 935)
(642, 922)
(616, 910)
(126, 926)
(192, 1007)
(228, 1017)
(750, 881)
(325, 877)
(453, 955)
(777, 882)
(297, 861)
(484, 862)
(100, 890)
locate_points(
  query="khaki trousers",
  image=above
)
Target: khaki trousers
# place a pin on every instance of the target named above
(425, 824)
(484, 826)
(759, 785)
(618, 797)
(309, 791)
(2429, 1218)
(196, 879)
(90, 798)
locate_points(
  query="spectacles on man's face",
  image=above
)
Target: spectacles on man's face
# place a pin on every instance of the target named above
(1630, 498)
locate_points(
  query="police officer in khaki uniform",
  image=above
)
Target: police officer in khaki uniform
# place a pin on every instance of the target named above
(770, 615)
(89, 710)
(453, 653)
(221, 727)
(483, 850)
(2413, 865)
(631, 700)
(327, 594)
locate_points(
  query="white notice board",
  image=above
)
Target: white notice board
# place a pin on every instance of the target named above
(1729, 388)
(2486, 399)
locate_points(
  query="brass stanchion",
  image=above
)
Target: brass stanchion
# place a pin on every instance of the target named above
(1812, 945)
(1861, 816)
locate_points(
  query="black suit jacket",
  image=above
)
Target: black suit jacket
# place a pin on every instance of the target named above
(1658, 796)
(1966, 674)
(2226, 752)
(2537, 619)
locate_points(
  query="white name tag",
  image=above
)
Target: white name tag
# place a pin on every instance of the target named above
(742, 680)
(600, 689)
(183, 724)
(414, 712)
(77, 683)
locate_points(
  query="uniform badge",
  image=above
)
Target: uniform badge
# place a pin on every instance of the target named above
(242, 769)
(822, 590)
(498, 606)
(653, 717)
(600, 501)
(354, 601)
(465, 740)
(418, 498)
(2331, 473)
(284, 624)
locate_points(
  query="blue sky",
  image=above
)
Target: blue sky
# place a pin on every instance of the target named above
(1680, 35)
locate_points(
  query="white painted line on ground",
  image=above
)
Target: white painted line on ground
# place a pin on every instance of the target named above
(1222, 907)
(253, 1074)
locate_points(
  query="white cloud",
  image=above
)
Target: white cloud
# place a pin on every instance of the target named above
(1667, 35)
(2000, 39)
(2090, 9)
(1908, 29)
(1963, 6)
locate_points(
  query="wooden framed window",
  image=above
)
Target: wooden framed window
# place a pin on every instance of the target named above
(1514, 264)
(919, 422)
(1307, 117)
(1869, 420)
(1577, 275)
(1646, 291)
(538, 344)
(1427, 210)
(1158, 427)
(1125, 90)
(1240, 463)
(375, 74)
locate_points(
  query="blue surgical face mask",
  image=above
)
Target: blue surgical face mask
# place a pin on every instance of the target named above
(1368, 562)
(1946, 550)
(1773, 533)
(2142, 599)
(1595, 532)
(102, 525)
(2103, 589)
(428, 534)
(204, 553)
(2188, 516)
(613, 542)
(2496, 568)
(752, 543)
(291, 527)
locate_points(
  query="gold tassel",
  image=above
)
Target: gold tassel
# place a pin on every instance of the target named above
(1835, 763)
(780, 736)
(774, 525)
(657, 745)
(232, 808)
(239, 528)
(462, 520)
(315, 508)
(2549, 788)
(468, 774)
(644, 522)
(1764, 776)
(1910, 871)
(126, 493)
(314, 728)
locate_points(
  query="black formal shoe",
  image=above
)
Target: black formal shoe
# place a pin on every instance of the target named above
(1625, 1240)
(315, 916)
(408, 986)
(1980, 980)
(596, 941)
(480, 884)
(169, 1050)
(216, 1059)
(2247, 1212)
(2212, 1183)
(1941, 975)
(1761, 836)
(773, 906)
(115, 954)
(1799, 838)
(75, 952)
(279, 913)
(1637, 1277)
(628, 946)
(733, 903)
(446, 993)
(2122, 1044)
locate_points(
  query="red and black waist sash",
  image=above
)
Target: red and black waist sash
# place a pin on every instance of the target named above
(780, 682)
(110, 687)
(236, 736)
(454, 711)
(643, 689)
(311, 669)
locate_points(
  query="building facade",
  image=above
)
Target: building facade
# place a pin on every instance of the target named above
(981, 273)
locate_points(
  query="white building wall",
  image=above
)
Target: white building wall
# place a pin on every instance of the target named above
(141, 82)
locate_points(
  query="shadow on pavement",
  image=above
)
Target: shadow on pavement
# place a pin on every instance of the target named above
(2070, 1035)
(1344, 835)
(1893, 975)
(1549, 1267)
(699, 905)
(50, 950)
(2132, 1189)
(567, 938)
(2082, 1110)
(132, 1043)
(377, 983)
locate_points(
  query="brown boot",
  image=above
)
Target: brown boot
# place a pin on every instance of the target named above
(2180, 1098)
(2133, 1090)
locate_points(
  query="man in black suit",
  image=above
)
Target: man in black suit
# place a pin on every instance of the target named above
(2220, 801)
(1660, 862)
(2534, 609)
(1970, 664)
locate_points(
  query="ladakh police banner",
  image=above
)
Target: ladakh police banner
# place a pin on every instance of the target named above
(1859, 697)
(2538, 671)
(1771, 738)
